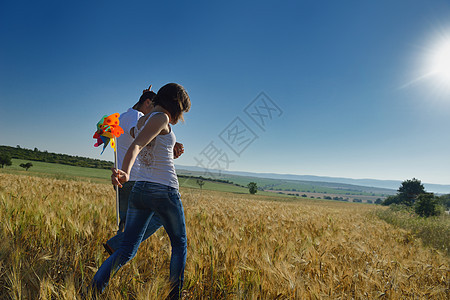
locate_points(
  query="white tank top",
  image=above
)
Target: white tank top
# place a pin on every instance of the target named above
(155, 161)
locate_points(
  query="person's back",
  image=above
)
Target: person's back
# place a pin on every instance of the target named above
(155, 161)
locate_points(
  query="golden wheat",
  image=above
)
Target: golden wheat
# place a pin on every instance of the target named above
(239, 247)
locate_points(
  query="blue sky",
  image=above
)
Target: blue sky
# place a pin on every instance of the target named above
(342, 73)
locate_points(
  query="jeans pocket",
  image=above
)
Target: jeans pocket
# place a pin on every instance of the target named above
(175, 198)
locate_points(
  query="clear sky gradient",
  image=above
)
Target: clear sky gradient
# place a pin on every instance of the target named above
(348, 78)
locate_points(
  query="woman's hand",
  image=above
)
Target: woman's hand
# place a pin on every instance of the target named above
(118, 177)
(178, 149)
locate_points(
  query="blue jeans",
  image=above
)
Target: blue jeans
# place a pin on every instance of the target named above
(124, 194)
(146, 199)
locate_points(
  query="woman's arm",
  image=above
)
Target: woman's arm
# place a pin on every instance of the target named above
(153, 127)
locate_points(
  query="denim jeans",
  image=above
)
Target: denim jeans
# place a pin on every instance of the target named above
(146, 199)
(124, 194)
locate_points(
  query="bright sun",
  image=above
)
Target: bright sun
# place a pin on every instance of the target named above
(440, 62)
(435, 66)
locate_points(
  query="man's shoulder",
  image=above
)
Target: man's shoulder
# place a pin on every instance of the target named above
(131, 114)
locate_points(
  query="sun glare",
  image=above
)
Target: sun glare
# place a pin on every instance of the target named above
(435, 66)
(440, 62)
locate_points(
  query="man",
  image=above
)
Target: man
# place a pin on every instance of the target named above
(128, 122)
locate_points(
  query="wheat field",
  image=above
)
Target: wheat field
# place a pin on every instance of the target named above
(239, 247)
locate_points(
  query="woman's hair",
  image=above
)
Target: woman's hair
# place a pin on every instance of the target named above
(174, 98)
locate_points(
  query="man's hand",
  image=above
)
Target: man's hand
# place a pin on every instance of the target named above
(178, 149)
(147, 90)
(118, 177)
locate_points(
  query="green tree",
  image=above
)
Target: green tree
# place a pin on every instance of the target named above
(200, 182)
(252, 188)
(410, 190)
(427, 205)
(5, 160)
(26, 166)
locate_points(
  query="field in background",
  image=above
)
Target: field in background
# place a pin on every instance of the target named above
(310, 188)
(59, 171)
(240, 246)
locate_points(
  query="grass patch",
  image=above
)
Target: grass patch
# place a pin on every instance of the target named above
(58, 171)
(221, 187)
(433, 231)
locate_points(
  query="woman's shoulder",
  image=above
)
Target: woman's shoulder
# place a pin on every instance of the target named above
(159, 117)
(154, 115)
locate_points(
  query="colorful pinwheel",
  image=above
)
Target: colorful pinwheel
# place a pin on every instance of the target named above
(107, 130)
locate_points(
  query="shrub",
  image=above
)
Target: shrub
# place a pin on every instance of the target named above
(445, 201)
(391, 200)
(427, 205)
(252, 188)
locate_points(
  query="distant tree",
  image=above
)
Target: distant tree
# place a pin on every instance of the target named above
(252, 188)
(378, 201)
(26, 166)
(410, 190)
(427, 205)
(5, 160)
(200, 183)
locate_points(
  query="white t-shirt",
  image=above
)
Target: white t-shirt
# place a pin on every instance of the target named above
(127, 120)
